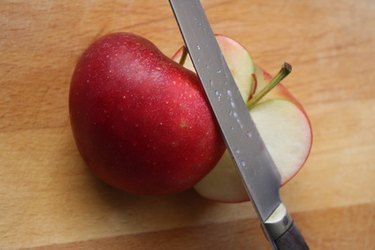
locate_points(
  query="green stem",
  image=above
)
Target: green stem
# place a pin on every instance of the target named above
(284, 71)
(183, 56)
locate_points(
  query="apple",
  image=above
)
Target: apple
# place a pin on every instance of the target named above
(279, 117)
(140, 120)
(142, 123)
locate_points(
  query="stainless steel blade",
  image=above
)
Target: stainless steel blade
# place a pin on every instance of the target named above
(256, 167)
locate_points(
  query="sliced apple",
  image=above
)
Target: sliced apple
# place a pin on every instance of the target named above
(279, 117)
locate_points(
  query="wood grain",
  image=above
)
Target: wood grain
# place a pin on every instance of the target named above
(49, 199)
(246, 231)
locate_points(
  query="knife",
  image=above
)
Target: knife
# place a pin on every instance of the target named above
(255, 165)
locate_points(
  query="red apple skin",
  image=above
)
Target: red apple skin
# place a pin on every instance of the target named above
(141, 121)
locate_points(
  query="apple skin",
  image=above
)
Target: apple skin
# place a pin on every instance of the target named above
(140, 120)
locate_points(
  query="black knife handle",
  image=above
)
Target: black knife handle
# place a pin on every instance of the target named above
(292, 239)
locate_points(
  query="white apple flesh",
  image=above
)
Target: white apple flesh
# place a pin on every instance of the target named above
(279, 117)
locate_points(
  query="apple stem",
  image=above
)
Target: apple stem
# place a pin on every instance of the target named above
(183, 56)
(284, 71)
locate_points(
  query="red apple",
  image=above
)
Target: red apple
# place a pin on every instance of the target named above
(279, 117)
(140, 120)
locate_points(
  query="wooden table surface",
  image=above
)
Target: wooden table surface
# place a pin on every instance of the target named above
(48, 199)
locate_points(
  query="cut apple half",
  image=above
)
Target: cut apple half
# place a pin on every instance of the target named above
(279, 117)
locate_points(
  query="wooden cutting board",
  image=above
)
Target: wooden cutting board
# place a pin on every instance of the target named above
(48, 199)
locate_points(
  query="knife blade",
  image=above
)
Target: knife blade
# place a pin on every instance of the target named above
(254, 163)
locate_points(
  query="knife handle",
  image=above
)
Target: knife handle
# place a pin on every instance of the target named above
(292, 239)
(282, 232)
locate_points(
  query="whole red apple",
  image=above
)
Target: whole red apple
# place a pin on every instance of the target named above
(140, 120)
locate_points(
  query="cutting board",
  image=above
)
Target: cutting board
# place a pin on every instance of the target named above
(48, 198)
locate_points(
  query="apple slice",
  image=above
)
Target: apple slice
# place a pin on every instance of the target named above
(289, 142)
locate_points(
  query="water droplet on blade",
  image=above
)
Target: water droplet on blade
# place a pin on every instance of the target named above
(239, 123)
(218, 95)
(249, 135)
